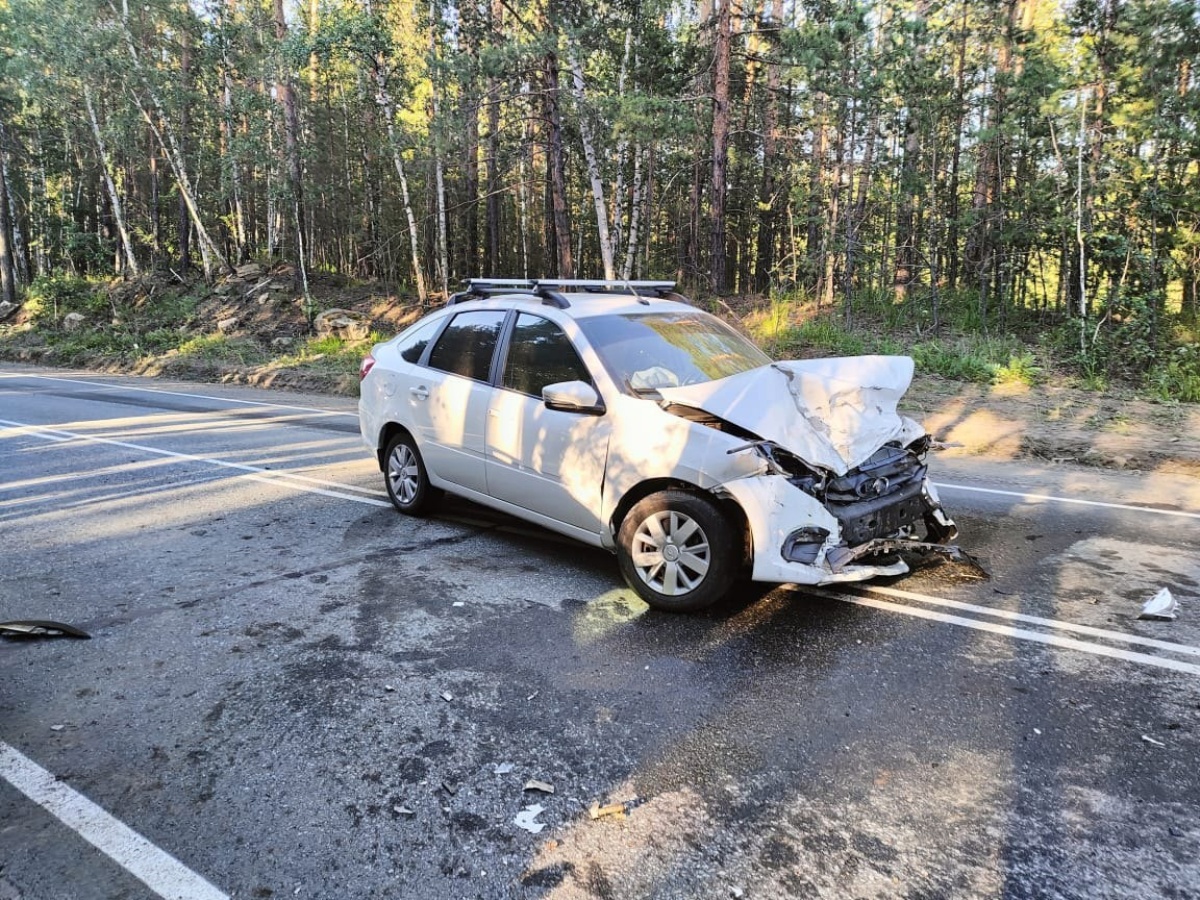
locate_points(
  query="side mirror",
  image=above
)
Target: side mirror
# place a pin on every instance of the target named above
(573, 396)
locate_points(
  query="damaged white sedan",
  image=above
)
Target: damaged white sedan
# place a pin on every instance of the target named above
(620, 415)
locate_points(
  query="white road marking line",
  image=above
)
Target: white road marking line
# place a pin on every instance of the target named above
(1052, 499)
(154, 867)
(252, 473)
(329, 412)
(1123, 637)
(146, 390)
(1022, 634)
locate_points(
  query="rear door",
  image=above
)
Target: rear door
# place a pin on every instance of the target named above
(448, 400)
(545, 460)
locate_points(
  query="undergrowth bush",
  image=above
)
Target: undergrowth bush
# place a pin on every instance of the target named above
(49, 298)
(220, 348)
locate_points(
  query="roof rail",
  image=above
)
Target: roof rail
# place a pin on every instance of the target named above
(587, 284)
(551, 290)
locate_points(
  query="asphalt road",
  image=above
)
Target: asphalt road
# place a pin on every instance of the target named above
(291, 690)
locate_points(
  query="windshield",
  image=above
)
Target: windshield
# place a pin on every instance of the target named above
(648, 351)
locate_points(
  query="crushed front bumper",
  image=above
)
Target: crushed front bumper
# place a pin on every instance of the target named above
(798, 540)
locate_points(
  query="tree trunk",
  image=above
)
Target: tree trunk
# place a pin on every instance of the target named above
(386, 106)
(183, 214)
(960, 111)
(593, 167)
(555, 161)
(8, 280)
(906, 247)
(443, 266)
(114, 198)
(768, 194)
(291, 139)
(635, 215)
(171, 147)
(720, 156)
(493, 149)
(235, 181)
(618, 198)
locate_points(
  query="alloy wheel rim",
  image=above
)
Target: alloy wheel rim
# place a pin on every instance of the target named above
(670, 553)
(403, 474)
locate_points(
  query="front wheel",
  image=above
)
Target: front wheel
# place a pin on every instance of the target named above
(407, 481)
(676, 549)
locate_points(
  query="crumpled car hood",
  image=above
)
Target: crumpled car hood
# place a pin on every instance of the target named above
(832, 413)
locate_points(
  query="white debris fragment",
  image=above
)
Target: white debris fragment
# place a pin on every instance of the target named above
(525, 818)
(1150, 740)
(1161, 606)
(531, 696)
(403, 811)
(544, 786)
(458, 603)
(503, 768)
(447, 696)
(389, 687)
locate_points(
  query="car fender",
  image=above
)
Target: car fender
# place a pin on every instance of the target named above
(649, 444)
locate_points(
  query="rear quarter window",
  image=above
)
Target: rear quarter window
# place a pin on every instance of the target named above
(467, 345)
(412, 346)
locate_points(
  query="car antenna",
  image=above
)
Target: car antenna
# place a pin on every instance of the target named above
(629, 284)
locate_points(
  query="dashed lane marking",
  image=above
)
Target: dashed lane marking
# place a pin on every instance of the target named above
(1050, 498)
(146, 390)
(1090, 631)
(252, 473)
(1023, 634)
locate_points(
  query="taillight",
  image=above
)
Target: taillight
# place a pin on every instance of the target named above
(367, 364)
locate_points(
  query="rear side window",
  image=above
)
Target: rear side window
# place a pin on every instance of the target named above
(466, 346)
(540, 354)
(411, 346)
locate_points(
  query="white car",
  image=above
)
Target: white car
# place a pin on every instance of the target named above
(621, 415)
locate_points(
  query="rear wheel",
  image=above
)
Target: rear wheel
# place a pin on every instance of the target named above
(407, 481)
(678, 551)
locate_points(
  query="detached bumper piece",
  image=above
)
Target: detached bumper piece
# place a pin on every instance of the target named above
(841, 557)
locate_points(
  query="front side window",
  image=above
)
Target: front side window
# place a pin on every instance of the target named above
(647, 351)
(539, 354)
(466, 346)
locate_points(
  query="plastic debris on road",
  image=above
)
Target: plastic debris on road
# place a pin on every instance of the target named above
(596, 811)
(1152, 741)
(1161, 606)
(447, 696)
(525, 818)
(544, 786)
(39, 629)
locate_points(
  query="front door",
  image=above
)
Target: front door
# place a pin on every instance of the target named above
(545, 460)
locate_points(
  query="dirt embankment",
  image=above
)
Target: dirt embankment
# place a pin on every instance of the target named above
(1058, 423)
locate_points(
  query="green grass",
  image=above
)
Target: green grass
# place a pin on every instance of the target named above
(330, 355)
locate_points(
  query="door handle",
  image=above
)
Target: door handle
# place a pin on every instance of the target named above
(420, 393)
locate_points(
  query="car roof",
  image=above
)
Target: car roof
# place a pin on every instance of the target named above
(574, 299)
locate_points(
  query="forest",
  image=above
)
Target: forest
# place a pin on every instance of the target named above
(917, 168)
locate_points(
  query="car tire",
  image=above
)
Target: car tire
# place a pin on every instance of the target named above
(677, 551)
(406, 478)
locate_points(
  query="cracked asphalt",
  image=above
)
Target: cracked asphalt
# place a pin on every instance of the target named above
(296, 692)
